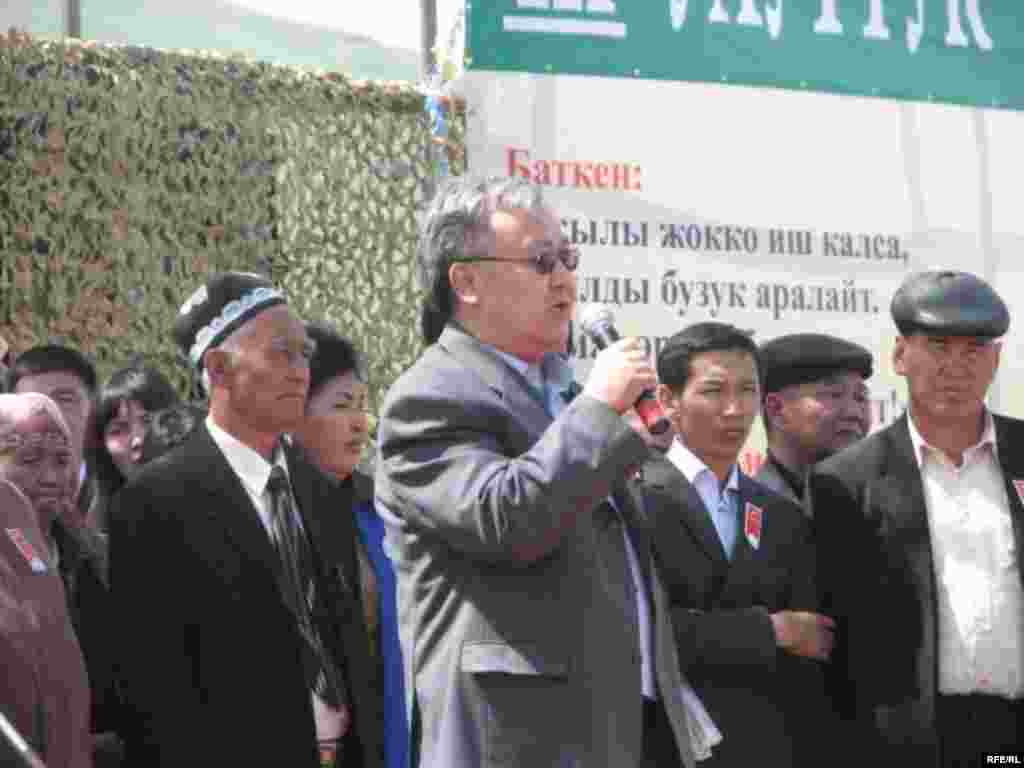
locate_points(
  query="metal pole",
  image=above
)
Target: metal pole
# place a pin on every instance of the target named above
(428, 37)
(73, 18)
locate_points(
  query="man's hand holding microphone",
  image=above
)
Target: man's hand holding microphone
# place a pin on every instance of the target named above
(622, 376)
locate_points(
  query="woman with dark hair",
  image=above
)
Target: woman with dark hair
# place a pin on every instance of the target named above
(117, 429)
(334, 434)
(113, 451)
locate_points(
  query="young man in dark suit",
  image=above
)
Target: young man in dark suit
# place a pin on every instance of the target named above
(241, 647)
(919, 530)
(737, 559)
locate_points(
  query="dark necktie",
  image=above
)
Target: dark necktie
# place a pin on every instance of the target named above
(299, 590)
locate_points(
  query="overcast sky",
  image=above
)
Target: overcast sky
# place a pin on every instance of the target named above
(392, 22)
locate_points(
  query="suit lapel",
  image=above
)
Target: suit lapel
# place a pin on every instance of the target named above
(686, 507)
(743, 554)
(898, 496)
(771, 478)
(630, 501)
(305, 479)
(236, 514)
(1012, 465)
(508, 384)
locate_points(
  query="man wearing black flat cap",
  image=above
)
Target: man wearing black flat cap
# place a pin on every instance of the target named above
(919, 528)
(815, 404)
(234, 652)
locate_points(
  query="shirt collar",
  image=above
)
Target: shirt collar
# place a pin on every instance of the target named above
(553, 369)
(520, 365)
(922, 448)
(693, 468)
(252, 469)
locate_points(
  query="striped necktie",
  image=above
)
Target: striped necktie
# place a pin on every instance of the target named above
(299, 590)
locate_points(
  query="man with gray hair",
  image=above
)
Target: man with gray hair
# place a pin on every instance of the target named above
(531, 617)
(243, 646)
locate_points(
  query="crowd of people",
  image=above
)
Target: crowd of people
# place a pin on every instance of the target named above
(529, 578)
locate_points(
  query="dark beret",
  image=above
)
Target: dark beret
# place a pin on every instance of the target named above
(803, 357)
(949, 304)
(222, 304)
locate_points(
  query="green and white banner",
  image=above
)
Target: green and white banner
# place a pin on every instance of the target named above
(777, 211)
(965, 52)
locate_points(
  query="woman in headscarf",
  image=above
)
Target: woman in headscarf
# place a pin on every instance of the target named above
(334, 436)
(43, 666)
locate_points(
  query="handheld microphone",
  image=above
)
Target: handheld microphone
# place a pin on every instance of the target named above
(598, 322)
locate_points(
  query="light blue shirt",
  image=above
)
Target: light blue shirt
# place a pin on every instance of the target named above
(719, 502)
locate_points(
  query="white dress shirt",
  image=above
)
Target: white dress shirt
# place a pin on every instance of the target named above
(252, 469)
(980, 603)
(254, 472)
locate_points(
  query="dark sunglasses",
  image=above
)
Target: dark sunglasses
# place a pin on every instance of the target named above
(543, 262)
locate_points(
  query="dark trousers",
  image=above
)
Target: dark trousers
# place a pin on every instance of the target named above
(660, 749)
(974, 725)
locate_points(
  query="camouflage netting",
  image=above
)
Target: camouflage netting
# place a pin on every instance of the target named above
(126, 174)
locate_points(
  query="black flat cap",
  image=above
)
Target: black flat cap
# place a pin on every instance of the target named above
(949, 304)
(223, 303)
(803, 357)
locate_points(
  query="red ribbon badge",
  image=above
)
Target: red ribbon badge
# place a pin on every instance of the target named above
(17, 536)
(752, 521)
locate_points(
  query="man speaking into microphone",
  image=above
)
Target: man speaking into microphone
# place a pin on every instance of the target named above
(527, 614)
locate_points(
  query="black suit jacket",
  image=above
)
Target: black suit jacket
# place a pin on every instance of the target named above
(339, 531)
(83, 553)
(211, 651)
(878, 581)
(767, 703)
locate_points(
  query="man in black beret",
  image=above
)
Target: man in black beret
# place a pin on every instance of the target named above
(815, 404)
(233, 654)
(919, 528)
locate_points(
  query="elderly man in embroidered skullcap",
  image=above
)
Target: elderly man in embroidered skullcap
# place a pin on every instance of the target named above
(233, 654)
(45, 689)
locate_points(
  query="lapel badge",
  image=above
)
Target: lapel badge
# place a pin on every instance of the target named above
(753, 520)
(35, 562)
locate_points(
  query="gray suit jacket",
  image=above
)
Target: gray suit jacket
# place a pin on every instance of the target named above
(516, 622)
